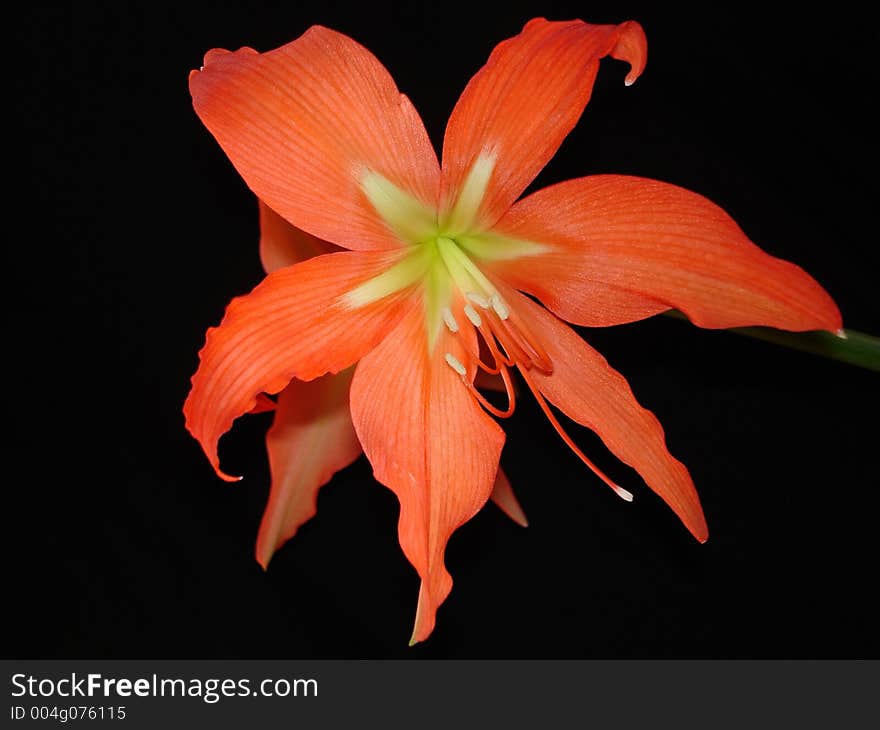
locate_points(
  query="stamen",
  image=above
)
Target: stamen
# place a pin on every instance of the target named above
(499, 306)
(490, 339)
(535, 355)
(505, 376)
(619, 491)
(449, 320)
(466, 273)
(477, 356)
(455, 364)
(511, 397)
(479, 299)
(515, 350)
(473, 315)
(473, 270)
(455, 265)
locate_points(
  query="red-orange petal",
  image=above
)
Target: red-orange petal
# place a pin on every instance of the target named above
(590, 392)
(311, 438)
(294, 324)
(282, 244)
(624, 248)
(429, 442)
(506, 501)
(303, 122)
(520, 106)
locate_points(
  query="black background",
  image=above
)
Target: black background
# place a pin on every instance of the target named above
(128, 231)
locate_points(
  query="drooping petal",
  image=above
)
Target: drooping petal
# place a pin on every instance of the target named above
(429, 442)
(505, 499)
(296, 323)
(282, 244)
(515, 112)
(624, 248)
(305, 123)
(311, 438)
(590, 392)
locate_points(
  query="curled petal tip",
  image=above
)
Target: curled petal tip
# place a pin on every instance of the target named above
(632, 47)
(624, 494)
(227, 477)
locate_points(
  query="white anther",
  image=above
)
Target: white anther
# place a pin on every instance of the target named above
(449, 320)
(479, 299)
(455, 364)
(623, 493)
(473, 315)
(499, 306)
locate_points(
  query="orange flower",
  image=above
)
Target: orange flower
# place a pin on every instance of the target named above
(375, 342)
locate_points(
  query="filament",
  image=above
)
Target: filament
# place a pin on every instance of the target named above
(619, 491)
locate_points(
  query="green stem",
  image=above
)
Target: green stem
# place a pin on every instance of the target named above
(856, 348)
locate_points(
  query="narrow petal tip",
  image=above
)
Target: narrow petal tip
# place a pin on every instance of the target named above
(698, 528)
(504, 498)
(624, 494)
(263, 561)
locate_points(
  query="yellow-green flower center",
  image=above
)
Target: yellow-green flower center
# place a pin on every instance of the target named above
(443, 254)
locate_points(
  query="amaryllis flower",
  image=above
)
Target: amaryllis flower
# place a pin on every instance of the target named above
(427, 274)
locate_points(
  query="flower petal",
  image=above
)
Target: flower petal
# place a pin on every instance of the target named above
(429, 442)
(282, 244)
(590, 392)
(518, 108)
(506, 501)
(624, 248)
(294, 324)
(311, 439)
(304, 124)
